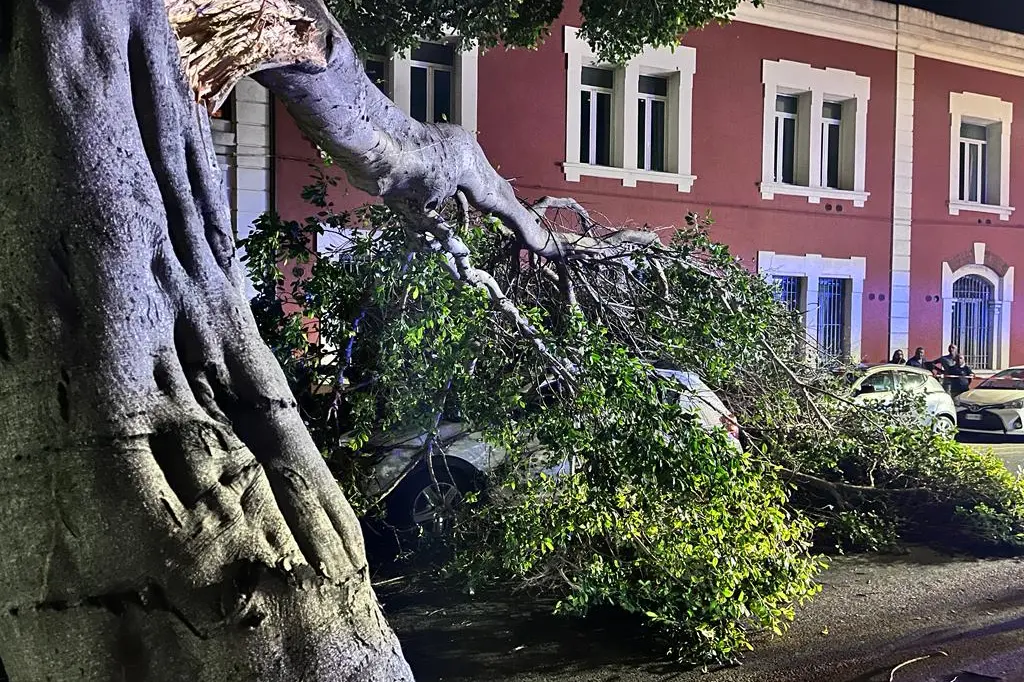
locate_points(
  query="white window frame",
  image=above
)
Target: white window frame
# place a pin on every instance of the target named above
(465, 77)
(594, 91)
(649, 100)
(1002, 302)
(997, 116)
(827, 123)
(966, 144)
(678, 65)
(785, 77)
(780, 118)
(386, 61)
(431, 68)
(812, 267)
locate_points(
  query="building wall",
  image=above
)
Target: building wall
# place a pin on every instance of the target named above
(938, 236)
(521, 124)
(522, 129)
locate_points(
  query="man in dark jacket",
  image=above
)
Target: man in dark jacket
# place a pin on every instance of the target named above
(949, 359)
(918, 359)
(958, 377)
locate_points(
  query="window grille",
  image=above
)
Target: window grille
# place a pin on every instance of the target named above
(788, 292)
(974, 320)
(832, 334)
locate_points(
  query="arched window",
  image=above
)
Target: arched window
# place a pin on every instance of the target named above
(974, 320)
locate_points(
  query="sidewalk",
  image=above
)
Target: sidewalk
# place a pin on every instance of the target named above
(872, 615)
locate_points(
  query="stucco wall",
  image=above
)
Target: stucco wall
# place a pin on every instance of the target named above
(939, 236)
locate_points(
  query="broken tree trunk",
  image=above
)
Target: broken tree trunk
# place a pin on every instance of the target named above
(165, 514)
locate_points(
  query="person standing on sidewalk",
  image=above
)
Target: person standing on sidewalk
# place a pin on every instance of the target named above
(958, 377)
(949, 359)
(918, 359)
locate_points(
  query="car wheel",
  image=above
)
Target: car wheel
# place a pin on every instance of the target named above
(429, 503)
(944, 424)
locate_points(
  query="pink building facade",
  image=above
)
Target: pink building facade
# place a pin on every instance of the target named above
(862, 155)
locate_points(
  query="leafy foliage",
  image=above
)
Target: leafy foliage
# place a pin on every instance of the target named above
(616, 30)
(610, 494)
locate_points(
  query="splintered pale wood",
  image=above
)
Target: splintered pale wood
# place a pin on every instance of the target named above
(221, 41)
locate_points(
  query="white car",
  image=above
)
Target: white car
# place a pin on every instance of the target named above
(879, 384)
(415, 496)
(995, 406)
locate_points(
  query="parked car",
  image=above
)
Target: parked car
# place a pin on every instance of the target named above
(418, 497)
(996, 406)
(879, 384)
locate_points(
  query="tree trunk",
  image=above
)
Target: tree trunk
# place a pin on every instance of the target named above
(165, 513)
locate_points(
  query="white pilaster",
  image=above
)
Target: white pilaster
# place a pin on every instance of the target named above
(903, 186)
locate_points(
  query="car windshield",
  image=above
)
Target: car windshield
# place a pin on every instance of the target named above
(1012, 379)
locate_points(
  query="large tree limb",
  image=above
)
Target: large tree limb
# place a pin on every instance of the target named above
(414, 167)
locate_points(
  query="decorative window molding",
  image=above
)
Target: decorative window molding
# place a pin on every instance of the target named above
(816, 90)
(986, 159)
(677, 67)
(1002, 303)
(813, 268)
(464, 84)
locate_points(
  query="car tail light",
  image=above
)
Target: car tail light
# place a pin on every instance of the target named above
(729, 424)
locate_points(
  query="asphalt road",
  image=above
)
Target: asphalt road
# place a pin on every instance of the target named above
(919, 617)
(1012, 453)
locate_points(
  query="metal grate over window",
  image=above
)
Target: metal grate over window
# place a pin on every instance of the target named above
(788, 291)
(832, 320)
(974, 320)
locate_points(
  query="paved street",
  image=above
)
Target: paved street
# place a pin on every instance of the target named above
(1012, 452)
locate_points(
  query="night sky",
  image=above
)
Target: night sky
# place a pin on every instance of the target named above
(1005, 14)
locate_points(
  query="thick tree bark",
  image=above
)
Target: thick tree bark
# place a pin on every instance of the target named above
(165, 514)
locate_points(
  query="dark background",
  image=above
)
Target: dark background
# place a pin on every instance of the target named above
(1004, 14)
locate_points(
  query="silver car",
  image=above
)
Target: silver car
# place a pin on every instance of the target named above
(996, 406)
(422, 494)
(880, 384)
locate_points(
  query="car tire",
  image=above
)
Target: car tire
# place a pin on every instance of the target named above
(427, 505)
(944, 424)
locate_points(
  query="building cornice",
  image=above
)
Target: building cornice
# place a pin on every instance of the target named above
(870, 23)
(894, 27)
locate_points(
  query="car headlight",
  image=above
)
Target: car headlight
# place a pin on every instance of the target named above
(1014, 405)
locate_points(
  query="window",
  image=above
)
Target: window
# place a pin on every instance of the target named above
(815, 132)
(432, 83)
(789, 292)
(977, 300)
(430, 98)
(832, 327)
(629, 122)
(831, 120)
(912, 382)
(377, 71)
(882, 382)
(651, 121)
(979, 175)
(596, 116)
(785, 138)
(827, 294)
(973, 159)
(974, 320)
